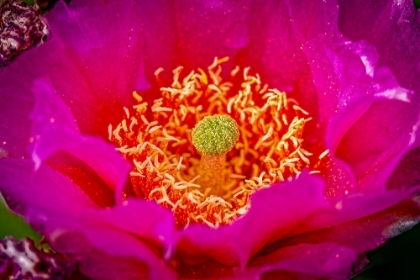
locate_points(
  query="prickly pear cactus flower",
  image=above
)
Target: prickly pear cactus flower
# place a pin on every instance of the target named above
(216, 139)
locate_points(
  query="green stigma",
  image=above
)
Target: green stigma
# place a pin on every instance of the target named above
(215, 135)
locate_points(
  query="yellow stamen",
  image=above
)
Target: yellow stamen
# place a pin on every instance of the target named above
(257, 143)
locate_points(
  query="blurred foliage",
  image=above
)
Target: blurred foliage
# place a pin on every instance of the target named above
(14, 225)
(417, 3)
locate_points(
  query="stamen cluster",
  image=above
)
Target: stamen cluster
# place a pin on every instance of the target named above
(158, 142)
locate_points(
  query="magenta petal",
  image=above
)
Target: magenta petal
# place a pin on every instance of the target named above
(407, 173)
(277, 31)
(344, 74)
(313, 261)
(209, 29)
(377, 140)
(97, 265)
(36, 194)
(55, 130)
(81, 240)
(322, 69)
(339, 73)
(84, 176)
(15, 106)
(118, 42)
(370, 132)
(208, 270)
(274, 212)
(361, 235)
(142, 218)
(392, 27)
(93, 63)
(283, 217)
(353, 207)
(57, 208)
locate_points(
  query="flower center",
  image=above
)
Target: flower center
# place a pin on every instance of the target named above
(213, 137)
(207, 144)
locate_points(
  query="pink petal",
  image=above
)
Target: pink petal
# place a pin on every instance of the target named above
(361, 235)
(84, 176)
(83, 242)
(94, 64)
(97, 265)
(40, 193)
(376, 141)
(277, 30)
(407, 173)
(283, 217)
(353, 207)
(142, 218)
(55, 130)
(398, 47)
(57, 209)
(209, 29)
(102, 72)
(119, 41)
(15, 105)
(207, 270)
(313, 261)
(282, 211)
(376, 136)
(227, 244)
(323, 70)
(392, 27)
